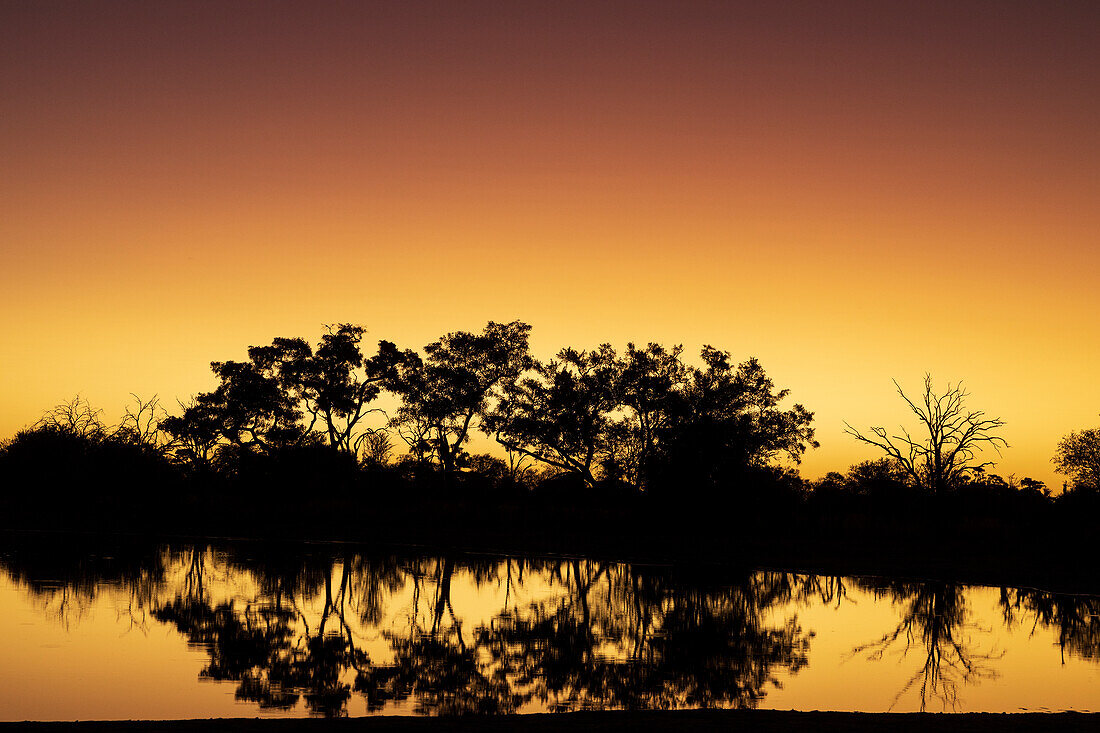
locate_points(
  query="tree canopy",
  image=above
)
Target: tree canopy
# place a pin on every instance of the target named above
(1078, 456)
(632, 419)
(446, 392)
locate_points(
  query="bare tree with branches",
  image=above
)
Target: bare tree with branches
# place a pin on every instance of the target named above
(375, 446)
(75, 417)
(140, 424)
(955, 435)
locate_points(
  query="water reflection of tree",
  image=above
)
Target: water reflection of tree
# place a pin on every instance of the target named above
(269, 645)
(441, 672)
(65, 579)
(287, 628)
(1075, 618)
(935, 621)
(617, 637)
(273, 660)
(434, 665)
(640, 640)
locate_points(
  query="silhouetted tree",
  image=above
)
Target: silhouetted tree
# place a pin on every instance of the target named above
(141, 423)
(882, 478)
(87, 467)
(955, 435)
(196, 432)
(1078, 456)
(447, 391)
(376, 447)
(76, 417)
(729, 423)
(560, 413)
(884, 470)
(488, 467)
(652, 388)
(336, 384)
(255, 405)
(629, 419)
(287, 394)
(1034, 485)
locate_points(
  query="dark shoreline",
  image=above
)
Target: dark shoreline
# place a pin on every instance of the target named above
(776, 721)
(1034, 563)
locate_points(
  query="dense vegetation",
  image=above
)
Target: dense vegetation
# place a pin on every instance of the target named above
(590, 444)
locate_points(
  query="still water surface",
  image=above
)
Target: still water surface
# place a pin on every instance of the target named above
(199, 631)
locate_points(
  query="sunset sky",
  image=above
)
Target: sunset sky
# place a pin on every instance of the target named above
(850, 191)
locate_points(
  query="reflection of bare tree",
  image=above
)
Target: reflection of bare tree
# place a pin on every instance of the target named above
(934, 620)
(1076, 618)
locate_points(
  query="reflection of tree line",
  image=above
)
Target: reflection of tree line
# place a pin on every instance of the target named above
(1075, 617)
(609, 636)
(671, 646)
(66, 581)
(614, 638)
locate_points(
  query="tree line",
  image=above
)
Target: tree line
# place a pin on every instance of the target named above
(601, 417)
(641, 420)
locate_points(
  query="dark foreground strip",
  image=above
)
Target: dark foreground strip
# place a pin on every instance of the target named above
(693, 720)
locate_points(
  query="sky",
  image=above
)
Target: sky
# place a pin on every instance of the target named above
(852, 192)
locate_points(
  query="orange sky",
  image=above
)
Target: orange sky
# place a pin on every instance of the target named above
(849, 191)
